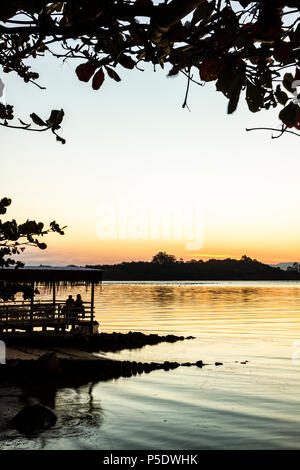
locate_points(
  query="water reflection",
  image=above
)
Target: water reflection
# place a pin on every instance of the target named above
(196, 308)
(40, 392)
(251, 406)
(163, 295)
(78, 412)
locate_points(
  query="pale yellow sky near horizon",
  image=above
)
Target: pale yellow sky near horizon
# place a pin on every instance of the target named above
(132, 142)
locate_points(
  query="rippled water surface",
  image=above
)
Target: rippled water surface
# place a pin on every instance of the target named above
(235, 406)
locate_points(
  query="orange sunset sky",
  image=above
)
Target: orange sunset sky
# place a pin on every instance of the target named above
(133, 152)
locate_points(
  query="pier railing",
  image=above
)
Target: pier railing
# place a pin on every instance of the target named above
(24, 315)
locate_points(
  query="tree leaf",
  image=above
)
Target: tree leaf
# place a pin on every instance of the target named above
(287, 82)
(60, 139)
(290, 115)
(37, 120)
(234, 100)
(268, 25)
(55, 118)
(42, 246)
(112, 74)
(174, 71)
(231, 80)
(203, 11)
(283, 52)
(210, 69)
(254, 97)
(297, 120)
(126, 61)
(244, 3)
(85, 71)
(98, 79)
(281, 96)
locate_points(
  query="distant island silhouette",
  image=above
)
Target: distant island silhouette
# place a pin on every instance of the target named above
(165, 267)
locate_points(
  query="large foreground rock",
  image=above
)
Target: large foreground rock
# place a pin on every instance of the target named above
(33, 419)
(48, 365)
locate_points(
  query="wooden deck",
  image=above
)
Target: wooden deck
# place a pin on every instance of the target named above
(27, 316)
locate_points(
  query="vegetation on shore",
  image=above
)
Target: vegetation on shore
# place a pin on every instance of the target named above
(14, 238)
(165, 267)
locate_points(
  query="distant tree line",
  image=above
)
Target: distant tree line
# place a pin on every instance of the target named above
(165, 266)
(294, 268)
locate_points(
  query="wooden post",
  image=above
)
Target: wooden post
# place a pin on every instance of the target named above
(54, 298)
(31, 308)
(54, 293)
(92, 304)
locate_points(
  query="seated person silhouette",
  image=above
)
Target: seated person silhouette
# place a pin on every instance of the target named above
(78, 306)
(67, 310)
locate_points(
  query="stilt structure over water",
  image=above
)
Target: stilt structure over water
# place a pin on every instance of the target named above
(49, 314)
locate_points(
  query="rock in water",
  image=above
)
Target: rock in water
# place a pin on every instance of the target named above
(199, 364)
(48, 364)
(33, 419)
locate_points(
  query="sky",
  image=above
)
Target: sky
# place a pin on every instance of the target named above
(140, 174)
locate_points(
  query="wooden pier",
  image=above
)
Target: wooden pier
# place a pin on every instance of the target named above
(42, 315)
(54, 314)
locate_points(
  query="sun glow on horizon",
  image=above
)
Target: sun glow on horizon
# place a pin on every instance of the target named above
(201, 255)
(245, 185)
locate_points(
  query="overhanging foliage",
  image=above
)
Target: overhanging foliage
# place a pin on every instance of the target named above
(244, 46)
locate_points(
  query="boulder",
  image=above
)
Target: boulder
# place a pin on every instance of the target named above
(34, 419)
(48, 365)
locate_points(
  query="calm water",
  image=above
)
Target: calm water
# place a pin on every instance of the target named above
(234, 406)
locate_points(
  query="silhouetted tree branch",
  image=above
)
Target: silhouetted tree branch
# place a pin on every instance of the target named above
(241, 45)
(281, 132)
(14, 238)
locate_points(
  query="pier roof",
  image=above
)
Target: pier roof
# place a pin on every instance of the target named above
(52, 274)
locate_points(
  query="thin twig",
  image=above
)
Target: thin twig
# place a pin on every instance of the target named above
(191, 78)
(25, 128)
(185, 105)
(39, 86)
(272, 129)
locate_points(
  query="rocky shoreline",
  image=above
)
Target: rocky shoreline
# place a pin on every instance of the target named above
(68, 358)
(97, 342)
(39, 364)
